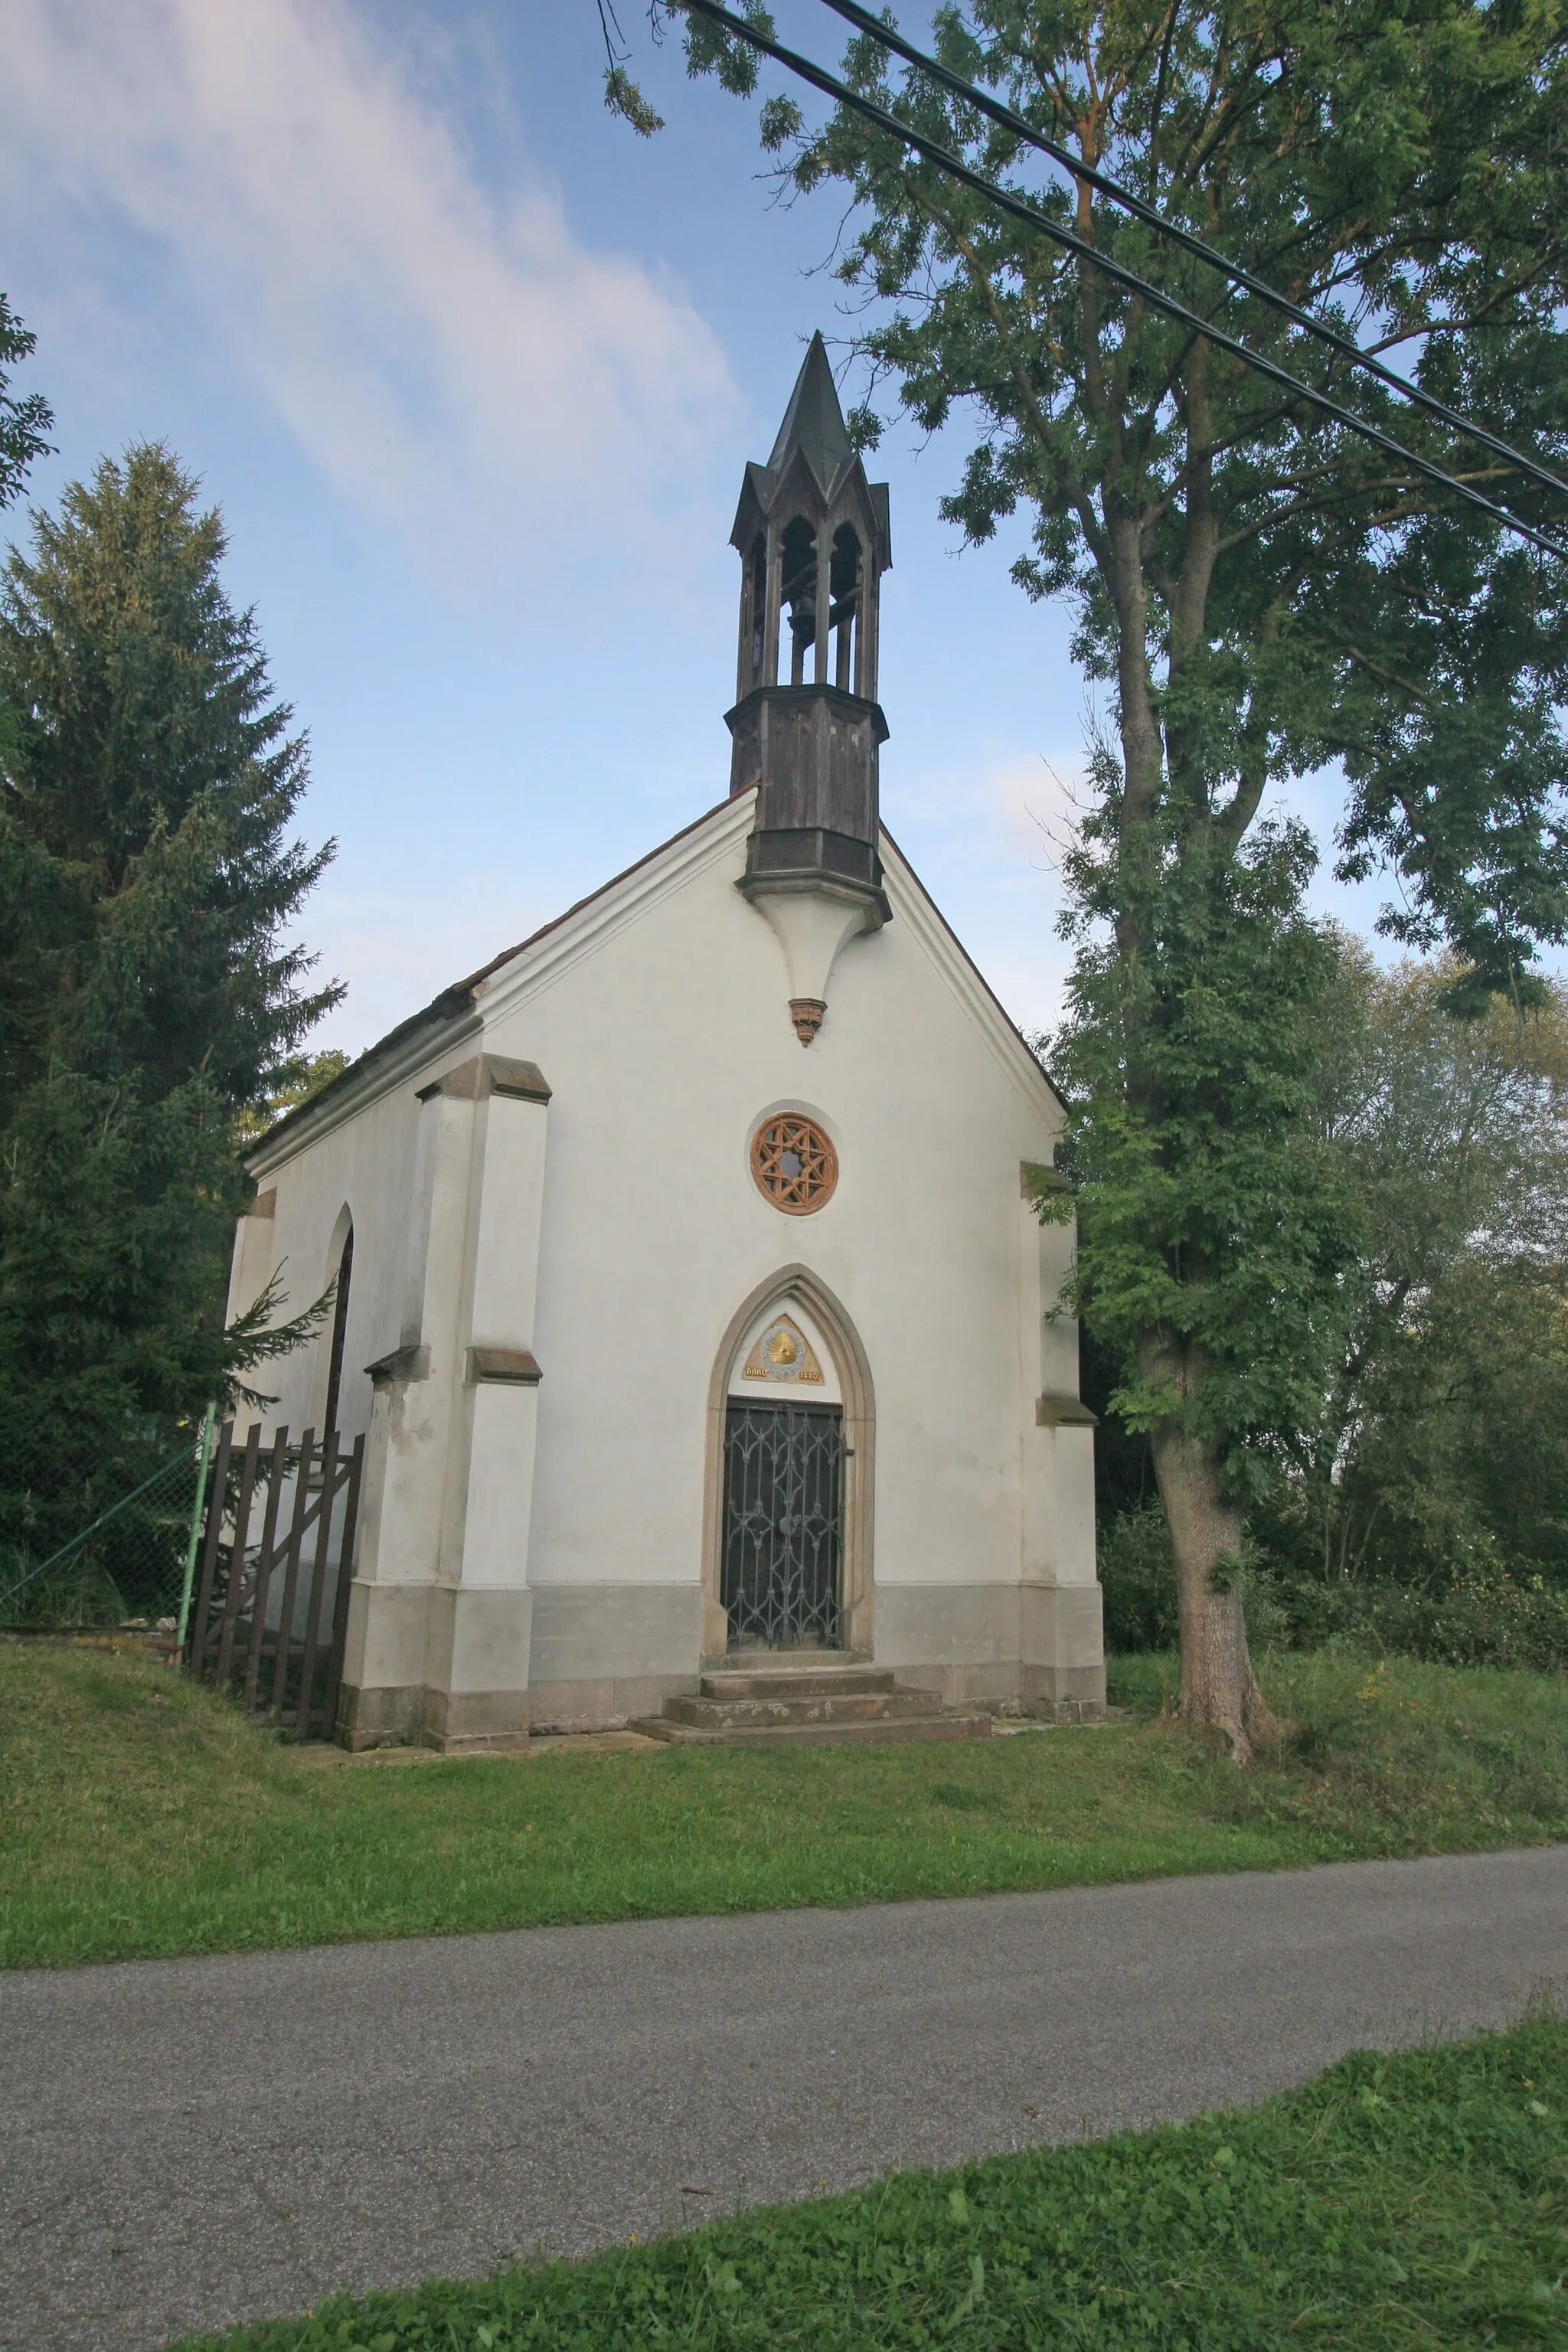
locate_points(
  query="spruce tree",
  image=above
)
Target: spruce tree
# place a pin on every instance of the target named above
(148, 994)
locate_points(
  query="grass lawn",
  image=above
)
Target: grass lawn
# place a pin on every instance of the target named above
(141, 1816)
(1394, 2203)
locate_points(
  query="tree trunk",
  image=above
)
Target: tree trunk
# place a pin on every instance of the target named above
(1218, 1685)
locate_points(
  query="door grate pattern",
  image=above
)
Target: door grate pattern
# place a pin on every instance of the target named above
(783, 1525)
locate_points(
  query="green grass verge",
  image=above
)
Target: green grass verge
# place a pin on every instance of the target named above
(1394, 2203)
(140, 1816)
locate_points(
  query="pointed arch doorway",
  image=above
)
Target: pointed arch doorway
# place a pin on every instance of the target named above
(780, 1573)
(788, 1505)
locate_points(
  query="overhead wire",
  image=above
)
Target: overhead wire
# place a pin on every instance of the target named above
(1020, 128)
(1017, 208)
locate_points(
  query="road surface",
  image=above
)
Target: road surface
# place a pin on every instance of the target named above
(187, 2143)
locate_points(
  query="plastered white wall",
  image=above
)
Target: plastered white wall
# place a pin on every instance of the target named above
(660, 1020)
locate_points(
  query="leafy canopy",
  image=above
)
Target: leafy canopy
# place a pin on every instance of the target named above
(1439, 1444)
(1418, 1486)
(25, 420)
(1211, 1212)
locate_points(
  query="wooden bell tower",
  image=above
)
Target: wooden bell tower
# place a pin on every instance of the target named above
(812, 534)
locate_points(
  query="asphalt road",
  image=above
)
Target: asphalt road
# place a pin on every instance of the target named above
(187, 2143)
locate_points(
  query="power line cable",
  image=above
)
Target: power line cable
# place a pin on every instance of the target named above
(1032, 217)
(1020, 129)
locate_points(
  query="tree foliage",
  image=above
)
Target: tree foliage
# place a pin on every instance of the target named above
(298, 1080)
(1418, 1489)
(1215, 1219)
(24, 418)
(149, 991)
(1439, 1447)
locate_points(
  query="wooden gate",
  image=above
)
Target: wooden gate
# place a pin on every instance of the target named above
(271, 1606)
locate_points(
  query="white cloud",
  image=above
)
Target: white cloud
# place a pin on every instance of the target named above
(1016, 810)
(1029, 977)
(397, 949)
(473, 375)
(1040, 799)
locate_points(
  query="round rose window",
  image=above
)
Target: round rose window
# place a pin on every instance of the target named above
(793, 1163)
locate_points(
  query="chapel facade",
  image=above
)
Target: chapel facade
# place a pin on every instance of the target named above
(689, 1286)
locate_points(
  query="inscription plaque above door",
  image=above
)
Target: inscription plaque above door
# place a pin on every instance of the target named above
(783, 1354)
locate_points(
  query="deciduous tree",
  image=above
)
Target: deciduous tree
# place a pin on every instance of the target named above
(1258, 592)
(1439, 1444)
(25, 417)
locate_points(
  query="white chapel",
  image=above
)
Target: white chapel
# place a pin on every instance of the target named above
(689, 1290)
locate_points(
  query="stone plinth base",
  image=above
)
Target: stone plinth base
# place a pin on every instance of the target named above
(459, 1724)
(434, 1665)
(1032, 1649)
(469, 1670)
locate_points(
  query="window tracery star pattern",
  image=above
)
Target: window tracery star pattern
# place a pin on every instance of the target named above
(793, 1163)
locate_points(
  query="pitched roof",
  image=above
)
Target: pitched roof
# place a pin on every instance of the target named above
(814, 422)
(454, 1009)
(458, 1002)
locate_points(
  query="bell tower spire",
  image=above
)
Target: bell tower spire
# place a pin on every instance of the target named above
(812, 537)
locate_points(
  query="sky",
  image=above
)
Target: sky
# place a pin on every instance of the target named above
(473, 373)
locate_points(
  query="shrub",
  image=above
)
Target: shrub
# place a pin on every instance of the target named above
(1139, 1578)
(1495, 1620)
(1480, 1618)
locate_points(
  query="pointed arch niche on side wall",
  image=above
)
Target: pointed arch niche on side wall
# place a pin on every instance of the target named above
(326, 1386)
(798, 1286)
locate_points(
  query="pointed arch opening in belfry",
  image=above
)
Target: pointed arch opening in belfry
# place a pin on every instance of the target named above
(798, 595)
(797, 1288)
(844, 613)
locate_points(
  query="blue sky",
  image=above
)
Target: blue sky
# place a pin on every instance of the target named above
(473, 373)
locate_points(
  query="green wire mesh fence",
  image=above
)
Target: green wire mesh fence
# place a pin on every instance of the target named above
(128, 1569)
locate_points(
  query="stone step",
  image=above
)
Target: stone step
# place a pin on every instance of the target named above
(711, 1713)
(814, 1681)
(883, 1732)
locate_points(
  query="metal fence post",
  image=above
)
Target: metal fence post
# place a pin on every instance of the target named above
(203, 1454)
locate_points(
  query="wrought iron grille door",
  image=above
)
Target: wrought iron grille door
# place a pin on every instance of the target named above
(783, 1525)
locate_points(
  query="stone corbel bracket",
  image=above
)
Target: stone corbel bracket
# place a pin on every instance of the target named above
(812, 917)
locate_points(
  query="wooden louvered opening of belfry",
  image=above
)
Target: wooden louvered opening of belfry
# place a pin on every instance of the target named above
(270, 1616)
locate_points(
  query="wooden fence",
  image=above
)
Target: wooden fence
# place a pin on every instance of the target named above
(271, 1604)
